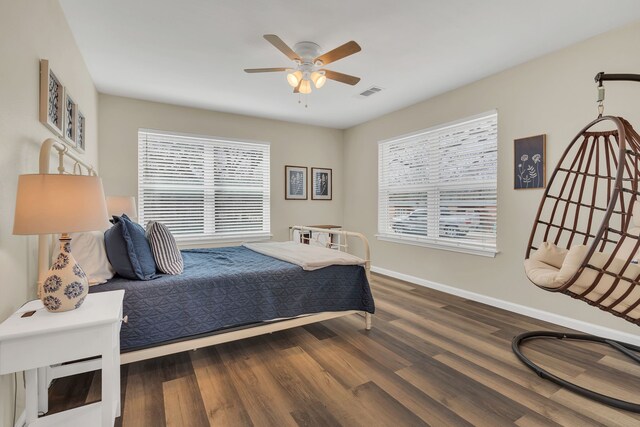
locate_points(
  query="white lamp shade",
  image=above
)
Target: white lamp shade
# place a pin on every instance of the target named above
(47, 204)
(305, 87)
(294, 78)
(118, 205)
(318, 79)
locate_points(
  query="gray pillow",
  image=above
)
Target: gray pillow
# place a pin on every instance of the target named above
(165, 249)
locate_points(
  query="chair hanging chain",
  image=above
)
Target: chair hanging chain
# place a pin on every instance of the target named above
(600, 100)
(602, 76)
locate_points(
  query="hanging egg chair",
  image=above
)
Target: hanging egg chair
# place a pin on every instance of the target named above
(585, 241)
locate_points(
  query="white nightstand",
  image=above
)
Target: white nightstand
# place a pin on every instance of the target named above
(44, 339)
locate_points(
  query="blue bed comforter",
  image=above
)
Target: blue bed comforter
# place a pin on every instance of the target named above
(227, 287)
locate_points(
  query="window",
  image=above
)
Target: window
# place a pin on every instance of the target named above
(438, 187)
(203, 188)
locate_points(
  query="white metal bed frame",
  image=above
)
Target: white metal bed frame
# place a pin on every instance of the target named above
(48, 374)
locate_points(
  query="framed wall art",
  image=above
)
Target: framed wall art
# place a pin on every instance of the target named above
(80, 132)
(295, 182)
(529, 162)
(70, 119)
(321, 184)
(51, 99)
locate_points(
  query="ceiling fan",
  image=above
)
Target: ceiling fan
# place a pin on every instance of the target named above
(309, 63)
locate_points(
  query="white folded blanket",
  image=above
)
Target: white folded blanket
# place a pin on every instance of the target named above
(306, 256)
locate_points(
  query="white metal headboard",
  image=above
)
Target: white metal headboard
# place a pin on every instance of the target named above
(79, 168)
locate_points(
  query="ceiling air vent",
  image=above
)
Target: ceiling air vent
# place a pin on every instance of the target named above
(371, 91)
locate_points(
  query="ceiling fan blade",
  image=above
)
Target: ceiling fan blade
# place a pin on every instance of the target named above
(297, 88)
(263, 70)
(340, 52)
(342, 78)
(281, 46)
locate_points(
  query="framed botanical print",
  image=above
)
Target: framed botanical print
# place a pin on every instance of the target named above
(295, 182)
(70, 119)
(529, 162)
(80, 132)
(321, 184)
(51, 99)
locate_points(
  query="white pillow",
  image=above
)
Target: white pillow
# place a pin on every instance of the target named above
(89, 251)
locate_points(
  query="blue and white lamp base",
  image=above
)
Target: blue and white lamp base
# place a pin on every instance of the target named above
(66, 284)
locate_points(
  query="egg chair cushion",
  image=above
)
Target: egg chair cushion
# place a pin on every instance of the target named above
(543, 275)
(548, 267)
(627, 247)
(589, 276)
(542, 269)
(550, 254)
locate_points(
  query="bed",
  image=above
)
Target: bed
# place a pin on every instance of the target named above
(225, 294)
(232, 287)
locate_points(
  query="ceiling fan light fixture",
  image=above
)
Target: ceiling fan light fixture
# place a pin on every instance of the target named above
(308, 70)
(305, 87)
(319, 79)
(294, 78)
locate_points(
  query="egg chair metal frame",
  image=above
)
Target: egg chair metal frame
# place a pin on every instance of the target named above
(572, 212)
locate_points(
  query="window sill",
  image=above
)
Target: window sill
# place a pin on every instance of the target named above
(201, 242)
(490, 253)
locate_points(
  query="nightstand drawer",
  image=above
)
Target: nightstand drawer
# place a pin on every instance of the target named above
(55, 347)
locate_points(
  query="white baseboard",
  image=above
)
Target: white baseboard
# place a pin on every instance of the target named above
(557, 319)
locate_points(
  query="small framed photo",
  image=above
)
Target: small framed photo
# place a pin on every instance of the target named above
(295, 182)
(51, 99)
(80, 132)
(529, 162)
(70, 119)
(321, 184)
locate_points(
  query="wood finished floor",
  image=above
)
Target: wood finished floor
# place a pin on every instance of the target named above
(431, 359)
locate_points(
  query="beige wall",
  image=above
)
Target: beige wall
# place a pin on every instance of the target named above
(291, 144)
(554, 95)
(30, 30)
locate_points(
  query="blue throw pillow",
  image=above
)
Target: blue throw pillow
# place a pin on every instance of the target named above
(128, 250)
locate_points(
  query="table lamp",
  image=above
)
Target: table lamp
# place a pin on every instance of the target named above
(61, 204)
(118, 205)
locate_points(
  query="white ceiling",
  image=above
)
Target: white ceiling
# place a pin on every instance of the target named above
(193, 52)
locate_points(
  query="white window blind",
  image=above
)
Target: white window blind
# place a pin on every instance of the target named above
(438, 187)
(203, 188)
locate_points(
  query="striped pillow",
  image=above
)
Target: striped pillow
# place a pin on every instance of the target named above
(165, 249)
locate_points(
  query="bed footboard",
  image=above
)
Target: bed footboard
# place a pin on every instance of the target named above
(339, 240)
